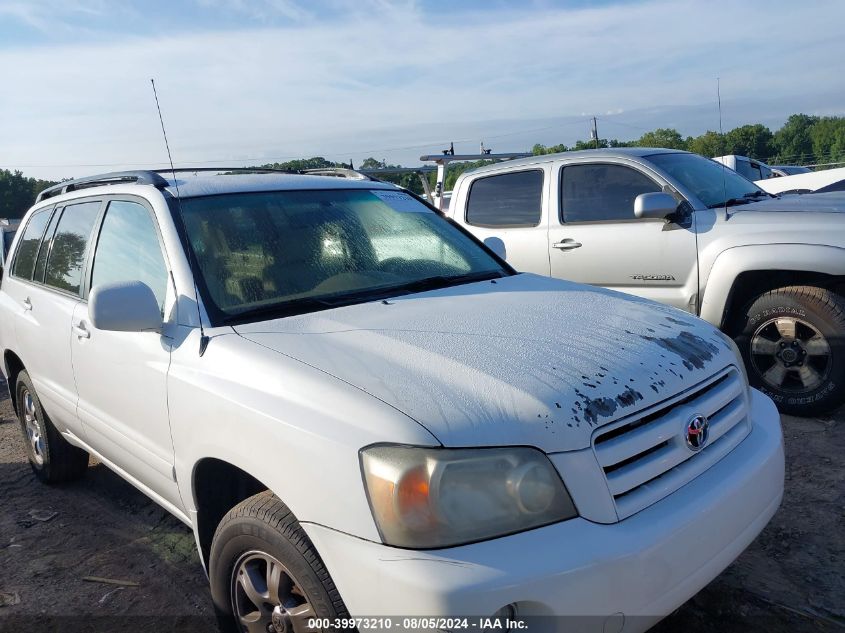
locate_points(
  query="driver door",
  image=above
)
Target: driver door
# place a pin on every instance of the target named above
(594, 237)
(121, 377)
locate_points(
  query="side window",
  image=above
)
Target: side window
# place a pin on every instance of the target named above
(44, 249)
(28, 246)
(506, 200)
(128, 249)
(749, 169)
(591, 193)
(67, 254)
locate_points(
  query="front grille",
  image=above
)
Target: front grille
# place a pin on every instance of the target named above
(647, 458)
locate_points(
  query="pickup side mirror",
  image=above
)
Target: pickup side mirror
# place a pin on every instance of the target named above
(128, 306)
(657, 205)
(496, 245)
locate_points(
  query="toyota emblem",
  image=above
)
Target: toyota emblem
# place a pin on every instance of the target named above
(696, 433)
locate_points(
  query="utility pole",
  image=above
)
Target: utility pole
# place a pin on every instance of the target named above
(595, 133)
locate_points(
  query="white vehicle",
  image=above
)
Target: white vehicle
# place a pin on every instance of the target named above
(788, 170)
(678, 228)
(785, 179)
(359, 409)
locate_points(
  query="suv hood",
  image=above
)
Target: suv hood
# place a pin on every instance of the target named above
(832, 202)
(527, 360)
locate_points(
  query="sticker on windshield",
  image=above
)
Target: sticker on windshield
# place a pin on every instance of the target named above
(400, 201)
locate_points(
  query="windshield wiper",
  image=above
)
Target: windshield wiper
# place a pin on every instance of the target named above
(444, 281)
(290, 308)
(314, 304)
(730, 202)
(751, 196)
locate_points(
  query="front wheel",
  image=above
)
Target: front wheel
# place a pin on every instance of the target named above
(793, 342)
(265, 574)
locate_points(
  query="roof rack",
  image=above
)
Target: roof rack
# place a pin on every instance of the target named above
(140, 177)
(144, 177)
(338, 172)
(422, 172)
(248, 170)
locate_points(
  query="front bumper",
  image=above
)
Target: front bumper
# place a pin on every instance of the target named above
(633, 572)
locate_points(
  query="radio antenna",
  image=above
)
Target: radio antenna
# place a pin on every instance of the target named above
(722, 147)
(203, 338)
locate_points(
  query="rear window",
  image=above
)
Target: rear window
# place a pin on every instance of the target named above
(28, 246)
(506, 200)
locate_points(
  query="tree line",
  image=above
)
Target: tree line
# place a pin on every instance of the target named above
(802, 140)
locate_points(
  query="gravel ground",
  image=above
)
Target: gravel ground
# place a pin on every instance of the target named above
(792, 578)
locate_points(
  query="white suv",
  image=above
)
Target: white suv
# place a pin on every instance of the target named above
(359, 409)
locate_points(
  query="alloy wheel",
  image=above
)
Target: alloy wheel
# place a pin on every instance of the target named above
(266, 597)
(34, 429)
(790, 354)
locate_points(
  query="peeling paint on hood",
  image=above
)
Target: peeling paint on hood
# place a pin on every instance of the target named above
(527, 360)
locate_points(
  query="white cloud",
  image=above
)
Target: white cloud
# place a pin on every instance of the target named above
(395, 77)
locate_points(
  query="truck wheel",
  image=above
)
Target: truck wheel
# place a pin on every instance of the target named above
(52, 458)
(793, 342)
(265, 573)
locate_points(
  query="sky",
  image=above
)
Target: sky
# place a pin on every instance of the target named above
(248, 82)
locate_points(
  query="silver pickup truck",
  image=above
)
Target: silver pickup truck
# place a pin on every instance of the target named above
(683, 230)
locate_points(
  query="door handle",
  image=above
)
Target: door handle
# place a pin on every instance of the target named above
(27, 304)
(81, 331)
(566, 245)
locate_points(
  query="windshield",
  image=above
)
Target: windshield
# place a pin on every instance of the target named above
(263, 255)
(712, 183)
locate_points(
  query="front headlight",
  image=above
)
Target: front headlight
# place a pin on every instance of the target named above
(438, 497)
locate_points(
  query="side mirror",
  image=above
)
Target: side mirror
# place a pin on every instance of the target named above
(128, 306)
(496, 245)
(656, 205)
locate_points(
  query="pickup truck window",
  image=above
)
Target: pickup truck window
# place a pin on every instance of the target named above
(506, 200)
(128, 249)
(64, 264)
(748, 169)
(265, 255)
(28, 247)
(596, 192)
(712, 183)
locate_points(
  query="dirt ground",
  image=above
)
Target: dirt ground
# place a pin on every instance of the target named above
(791, 579)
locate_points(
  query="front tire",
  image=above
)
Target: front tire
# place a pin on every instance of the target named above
(52, 458)
(265, 573)
(793, 343)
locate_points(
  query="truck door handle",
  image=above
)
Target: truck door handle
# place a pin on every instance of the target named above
(27, 304)
(81, 331)
(566, 245)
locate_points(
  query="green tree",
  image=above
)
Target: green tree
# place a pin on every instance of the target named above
(793, 143)
(539, 150)
(754, 141)
(709, 144)
(828, 136)
(662, 137)
(300, 164)
(18, 193)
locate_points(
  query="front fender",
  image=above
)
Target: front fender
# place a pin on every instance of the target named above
(291, 426)
(730, 263)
